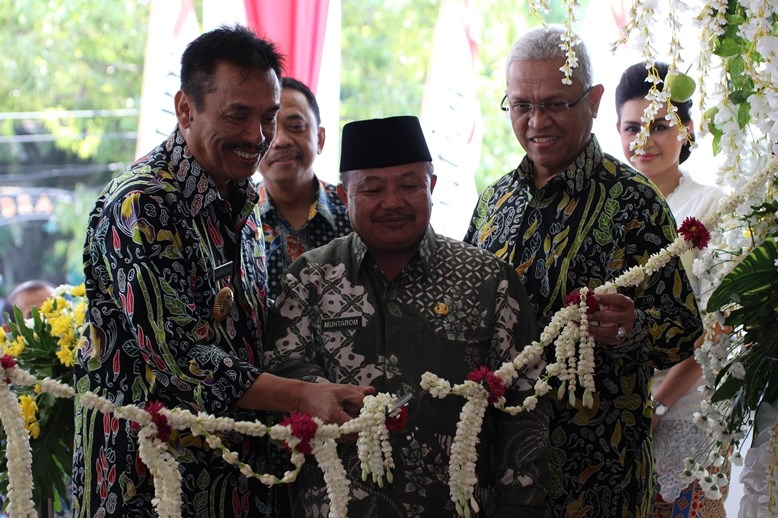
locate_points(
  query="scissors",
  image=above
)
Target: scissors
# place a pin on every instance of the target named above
(398, 403)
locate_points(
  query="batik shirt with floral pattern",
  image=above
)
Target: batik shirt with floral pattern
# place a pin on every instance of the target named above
(327, 219)
(155, 240)
(451, 309)
(586, 226)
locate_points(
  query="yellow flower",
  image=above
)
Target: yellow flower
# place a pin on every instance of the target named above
(62, 328)
(46, 307)
(60, 302)
(66, 355)
(16, 348)
(60, 325)
(29, 411)
(47, 351)
(80, 312)
(78, 291)
(29, 407)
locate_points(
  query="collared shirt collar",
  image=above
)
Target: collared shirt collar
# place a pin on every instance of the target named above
(197, 188)
(425, 252)
(321, 206)
(575, 177)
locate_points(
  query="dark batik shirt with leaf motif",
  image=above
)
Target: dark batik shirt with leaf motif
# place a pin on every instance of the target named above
(586, 226)
(156, 239)
(327, 219)
(451, 309)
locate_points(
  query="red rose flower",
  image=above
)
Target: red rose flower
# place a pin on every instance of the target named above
(695, 232)
(159, 419)
(493, 384)
(304, 428)
(574, 298)
(398, 421)
(8, 361)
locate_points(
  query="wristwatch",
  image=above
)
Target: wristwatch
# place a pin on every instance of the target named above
(658, 408)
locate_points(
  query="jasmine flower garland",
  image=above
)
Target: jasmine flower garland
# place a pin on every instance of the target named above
(565, 330)
(565, 359)
(303, 433)
(373, 447)
(569, 324)
(299, 431)
(154, 453)
(462, 477)
(326, 453)
(17, 445)
(153, 435)
(586, 362)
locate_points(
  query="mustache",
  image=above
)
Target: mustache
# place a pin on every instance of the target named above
(256, 148)
(394, 215)
(283, 155)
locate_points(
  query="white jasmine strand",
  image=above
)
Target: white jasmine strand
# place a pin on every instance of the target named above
(567, 327)
(18, 455)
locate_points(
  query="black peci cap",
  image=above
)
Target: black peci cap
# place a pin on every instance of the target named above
(375, 143)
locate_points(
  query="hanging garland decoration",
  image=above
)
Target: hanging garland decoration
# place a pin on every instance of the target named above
(748, 169)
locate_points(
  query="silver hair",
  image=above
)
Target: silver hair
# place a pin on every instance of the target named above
(544, 43)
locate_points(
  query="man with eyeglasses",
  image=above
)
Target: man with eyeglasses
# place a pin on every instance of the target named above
(571, 216)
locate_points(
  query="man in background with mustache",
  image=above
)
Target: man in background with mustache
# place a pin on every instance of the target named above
(176, 287)
(299, 211)
(391, 301)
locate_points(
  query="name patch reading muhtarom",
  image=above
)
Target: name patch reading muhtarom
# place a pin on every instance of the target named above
(331, 324)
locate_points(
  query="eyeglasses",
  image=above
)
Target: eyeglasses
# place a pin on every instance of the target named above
(522, 109)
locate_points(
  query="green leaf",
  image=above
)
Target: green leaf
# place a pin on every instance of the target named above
(769, 394)
(716, 144)
(738, 413)
(739, 96)
(727, 390)
(736, 68)
(715, 130)
(755, 273)
(743, 114)
(735, 19)
(727, 47)
(52, 453)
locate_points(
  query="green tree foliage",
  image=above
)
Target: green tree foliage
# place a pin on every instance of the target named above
(72, 55)
(83, 57)
(72, 220)
(385, 48)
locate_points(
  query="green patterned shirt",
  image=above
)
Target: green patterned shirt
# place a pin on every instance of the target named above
(586, 226)
(451, 309)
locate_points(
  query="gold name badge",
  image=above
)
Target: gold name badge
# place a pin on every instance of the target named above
(223, 303)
